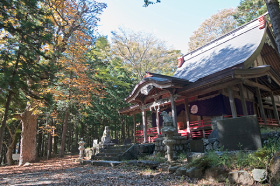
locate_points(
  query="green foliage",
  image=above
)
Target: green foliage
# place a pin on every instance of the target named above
(157, 157)
(249, 10)
(241, 159)
(147, 2)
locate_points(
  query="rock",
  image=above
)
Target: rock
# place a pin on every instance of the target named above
(27, 164)
(172, 169)
(216, 174)
(214, 134)
(240, 177)
(259, 175)
(194, 155)
(208, 147)
(105, 163)
(216, 145)
(181, 171)
(205, 141)
(275, 170)
(85, 162)
(195, 172)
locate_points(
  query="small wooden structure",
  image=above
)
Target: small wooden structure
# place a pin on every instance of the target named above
(237, 74)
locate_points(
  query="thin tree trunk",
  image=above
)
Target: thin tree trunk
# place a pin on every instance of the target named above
(13, 139)
(55, 145)
(49, 150)
(4, 121)
(274, 14)
(39, 145)
(64, 132)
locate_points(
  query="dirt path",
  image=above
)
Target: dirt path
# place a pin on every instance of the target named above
(68, 172)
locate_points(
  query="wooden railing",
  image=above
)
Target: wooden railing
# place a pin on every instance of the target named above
(151, 133)
(269, 122)
(200, 128)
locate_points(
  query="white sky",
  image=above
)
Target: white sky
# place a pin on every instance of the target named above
(172, 21)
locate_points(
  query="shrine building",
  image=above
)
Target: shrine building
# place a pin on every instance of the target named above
(235, 75)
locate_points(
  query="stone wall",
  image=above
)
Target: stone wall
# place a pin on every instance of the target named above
(181, 145)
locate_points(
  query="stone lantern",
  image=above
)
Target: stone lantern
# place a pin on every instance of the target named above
(81, 148)
(168, 130)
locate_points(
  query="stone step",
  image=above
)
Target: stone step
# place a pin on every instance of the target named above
(111, 151)
(111, 158)
(107, 154)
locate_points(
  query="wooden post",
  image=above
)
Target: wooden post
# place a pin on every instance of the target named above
(157, 119)
(261, 104)
(174, 112)
(188, 117)
(134, 123)
(232, 103)
(276, 115)
(243, 101)
(144, 121)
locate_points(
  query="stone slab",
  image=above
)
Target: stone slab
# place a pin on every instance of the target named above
(241, 133)
(196, 146)
(105, 163)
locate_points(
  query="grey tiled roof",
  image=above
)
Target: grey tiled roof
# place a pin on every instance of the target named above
(227, 51)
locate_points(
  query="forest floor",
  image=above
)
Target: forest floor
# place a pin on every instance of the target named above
(66, 171)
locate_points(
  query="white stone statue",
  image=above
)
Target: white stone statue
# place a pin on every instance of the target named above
(105, 139)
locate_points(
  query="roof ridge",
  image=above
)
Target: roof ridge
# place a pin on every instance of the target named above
(225, 35)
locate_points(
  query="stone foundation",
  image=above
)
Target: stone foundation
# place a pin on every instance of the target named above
(181, 145)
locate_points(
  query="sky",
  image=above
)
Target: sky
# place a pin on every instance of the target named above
(172, 21)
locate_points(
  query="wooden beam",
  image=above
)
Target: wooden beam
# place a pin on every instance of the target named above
(144, 121)
(173, 111)
(254, 84)
(157, 120)
(188, 117)
(275, 111)
(243, 101)
(155, 96)
(134, 124)
(232, 103)
(261, 104)
(209, 88)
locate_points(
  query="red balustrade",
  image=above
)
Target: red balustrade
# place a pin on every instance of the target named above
(269, 122)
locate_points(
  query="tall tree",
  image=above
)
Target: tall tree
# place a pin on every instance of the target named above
(75, 22)
(142, 52)
(25, 30)
(274, 14)
(217, 25)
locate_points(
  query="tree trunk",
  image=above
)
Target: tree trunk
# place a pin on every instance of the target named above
(39, 146)
(28, 136)
(64, 132)
(4, 121)
(55, 145)
(49, 150)
(274, 14)
(12, 146)
(9, 154)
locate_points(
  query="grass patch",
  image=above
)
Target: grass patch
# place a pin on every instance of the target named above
(240, 159)
(157, 157)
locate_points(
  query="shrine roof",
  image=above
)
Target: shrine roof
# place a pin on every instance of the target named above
(234, 49)
(155, 81)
